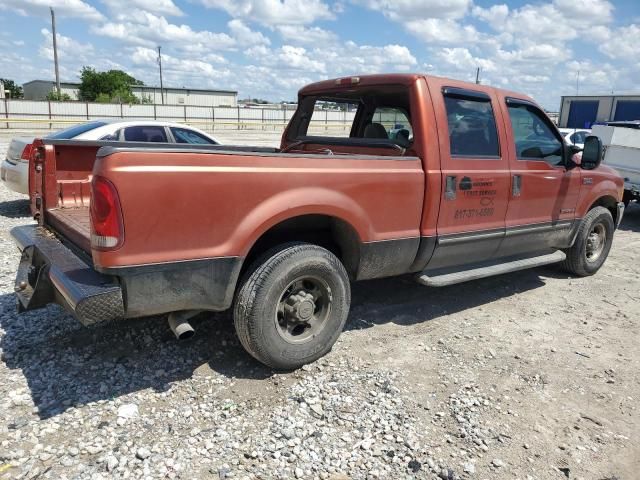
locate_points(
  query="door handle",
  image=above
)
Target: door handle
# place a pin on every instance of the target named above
(516, 185)
(450, 188)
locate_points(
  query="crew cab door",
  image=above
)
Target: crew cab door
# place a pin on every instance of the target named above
(544, 191)
(475, 177)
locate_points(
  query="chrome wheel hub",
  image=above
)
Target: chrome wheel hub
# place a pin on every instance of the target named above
(596, 241)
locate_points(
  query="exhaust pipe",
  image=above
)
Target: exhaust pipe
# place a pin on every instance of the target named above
(179, 324)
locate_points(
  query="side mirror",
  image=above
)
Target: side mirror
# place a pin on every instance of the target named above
(592, 153)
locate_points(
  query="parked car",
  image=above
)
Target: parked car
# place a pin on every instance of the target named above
(279, 233)
(14, 170)
(575, 136)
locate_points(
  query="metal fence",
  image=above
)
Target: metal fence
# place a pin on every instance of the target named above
(32, 114)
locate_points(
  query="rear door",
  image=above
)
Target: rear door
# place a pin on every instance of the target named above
(544, 194)
(475, 177)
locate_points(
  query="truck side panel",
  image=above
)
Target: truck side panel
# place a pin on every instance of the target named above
(172, 202)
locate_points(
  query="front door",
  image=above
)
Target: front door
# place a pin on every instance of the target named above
(475, 179)
(544, 192)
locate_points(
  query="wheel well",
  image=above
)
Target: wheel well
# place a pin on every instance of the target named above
(326, 231)
(609, 203)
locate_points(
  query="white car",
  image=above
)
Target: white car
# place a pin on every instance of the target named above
(575, 136)
(15, 168)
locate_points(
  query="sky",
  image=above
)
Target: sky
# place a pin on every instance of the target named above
(271, 48)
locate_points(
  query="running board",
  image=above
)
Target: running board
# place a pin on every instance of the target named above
(435, 279)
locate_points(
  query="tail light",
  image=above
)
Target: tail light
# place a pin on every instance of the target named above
(107, 228)
(26, 153)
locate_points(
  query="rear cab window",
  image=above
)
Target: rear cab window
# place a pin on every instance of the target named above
(369, 117)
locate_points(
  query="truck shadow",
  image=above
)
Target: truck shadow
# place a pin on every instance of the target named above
(631, 218)
(404, 302)
(15, 209)
(67, 365)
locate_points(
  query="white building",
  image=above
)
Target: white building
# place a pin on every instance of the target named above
(39, 89)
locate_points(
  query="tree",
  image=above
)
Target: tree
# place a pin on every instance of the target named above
(14, 89)
(63, 97)
(113, 86)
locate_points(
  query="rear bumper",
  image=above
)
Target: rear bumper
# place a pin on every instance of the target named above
(51, 273)
(15, 176)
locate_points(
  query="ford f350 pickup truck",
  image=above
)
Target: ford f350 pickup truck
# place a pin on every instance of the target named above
(472, 181)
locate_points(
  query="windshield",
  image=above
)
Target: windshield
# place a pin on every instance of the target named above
(76, 130)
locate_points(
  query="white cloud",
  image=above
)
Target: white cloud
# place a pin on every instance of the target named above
(245, 36)
(301, 35)
(274, 12)
(68, 48)
(404, 10)
(623, 44)
(146, 29)
(442, 31)
(158, 7)
(62, 8)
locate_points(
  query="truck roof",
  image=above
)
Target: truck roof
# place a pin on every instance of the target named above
(399, 79)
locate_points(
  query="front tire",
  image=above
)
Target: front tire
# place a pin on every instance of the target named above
(292, 305)
(592, 244)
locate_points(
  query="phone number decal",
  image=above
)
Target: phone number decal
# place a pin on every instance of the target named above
(473, 212)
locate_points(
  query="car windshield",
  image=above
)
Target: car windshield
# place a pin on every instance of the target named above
(76, 130)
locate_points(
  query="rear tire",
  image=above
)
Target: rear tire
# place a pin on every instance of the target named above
(592, 244)
(292, 305)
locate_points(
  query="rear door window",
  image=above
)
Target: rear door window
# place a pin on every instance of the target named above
(472, 127)
(145, 133)
(184, 135)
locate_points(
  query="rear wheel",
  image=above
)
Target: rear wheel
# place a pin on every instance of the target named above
(592, 243)
(292, 305)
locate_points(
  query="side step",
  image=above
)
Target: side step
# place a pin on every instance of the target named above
(449, 277)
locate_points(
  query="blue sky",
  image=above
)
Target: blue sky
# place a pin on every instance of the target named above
(270, 48)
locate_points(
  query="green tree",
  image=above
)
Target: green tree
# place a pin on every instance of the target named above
(14, 89)
(112, 86)
(63, 97)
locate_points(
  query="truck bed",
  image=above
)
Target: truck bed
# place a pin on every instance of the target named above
(73, 223)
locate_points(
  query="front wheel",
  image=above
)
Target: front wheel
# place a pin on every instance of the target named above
(292, 306)
(592, 244)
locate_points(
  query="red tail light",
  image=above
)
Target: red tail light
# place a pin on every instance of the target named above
(107, 228)
(26, 153)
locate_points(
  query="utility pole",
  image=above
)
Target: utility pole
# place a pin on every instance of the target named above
(477, 75)
(55, 49)
(578, 83)
(160, 64)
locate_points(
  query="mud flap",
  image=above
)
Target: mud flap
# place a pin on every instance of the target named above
(33, 288)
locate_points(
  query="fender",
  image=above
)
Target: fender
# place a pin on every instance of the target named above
(596, 184)
(295, 203)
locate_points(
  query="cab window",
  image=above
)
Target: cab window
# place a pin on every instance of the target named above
(472, 127)
(534, 137)
(395, 122)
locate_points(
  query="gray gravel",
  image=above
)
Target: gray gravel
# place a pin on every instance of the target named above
(478, 383)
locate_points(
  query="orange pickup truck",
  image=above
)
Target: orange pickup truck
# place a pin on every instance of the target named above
(445, 180)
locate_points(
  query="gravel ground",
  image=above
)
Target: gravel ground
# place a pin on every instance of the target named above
(531, 375)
